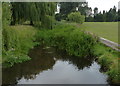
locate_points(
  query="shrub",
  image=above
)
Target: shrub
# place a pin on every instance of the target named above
(109, 60)
(58, 17)
(76, 17)
(17, 40)
(6, 14)
(48, 22)
(68, 38)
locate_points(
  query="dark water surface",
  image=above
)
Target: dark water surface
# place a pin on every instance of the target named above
(49, 66)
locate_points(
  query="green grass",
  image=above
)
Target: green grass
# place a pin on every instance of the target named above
(65, 36)
(107, 57)
(108, 30)
(17, 40)
(68, 38)
(109, 60)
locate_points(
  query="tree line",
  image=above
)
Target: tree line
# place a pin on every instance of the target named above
(106, 16)
(112, 15)
(36, 13)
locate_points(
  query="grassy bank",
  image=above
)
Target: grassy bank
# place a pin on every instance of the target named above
(108, 30)
(109, 60)
(107, 57)
(17, 40)
(69, 38)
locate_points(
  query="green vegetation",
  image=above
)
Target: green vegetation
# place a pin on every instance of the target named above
(67, 37)
(17, 40)
(112, 15)
(38, 14)
(108, 30)
(106, 16)
(109, 60)
(67, 8)
(76, 17)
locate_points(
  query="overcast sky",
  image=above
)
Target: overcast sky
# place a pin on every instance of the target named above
(103, 4)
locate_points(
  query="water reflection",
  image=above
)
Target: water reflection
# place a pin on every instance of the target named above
(50, 66)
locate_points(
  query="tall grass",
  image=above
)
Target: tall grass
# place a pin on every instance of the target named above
(69, 38)
(109, 60)
(17, 40)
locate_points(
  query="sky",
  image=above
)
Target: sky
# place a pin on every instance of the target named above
(103, 4)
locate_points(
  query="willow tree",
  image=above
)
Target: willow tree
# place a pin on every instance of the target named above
(38, 13)
(6, 19)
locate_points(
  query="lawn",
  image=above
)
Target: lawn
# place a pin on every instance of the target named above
(108, 30)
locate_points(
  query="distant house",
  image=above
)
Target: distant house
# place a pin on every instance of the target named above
(58, 9)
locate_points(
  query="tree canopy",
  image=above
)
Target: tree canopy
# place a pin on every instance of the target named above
(35, 12)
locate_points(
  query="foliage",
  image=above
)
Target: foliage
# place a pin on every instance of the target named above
(89, 19)
(67, 37)
(68, 7)
(109, 59)
(16, 44)
(36, 13)
(106, 16)
(76, 17)
(6, 14)
(58, 17)
(48, 22)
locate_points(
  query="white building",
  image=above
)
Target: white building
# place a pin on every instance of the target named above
(58, 9)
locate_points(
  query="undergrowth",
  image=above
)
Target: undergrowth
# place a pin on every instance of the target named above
(69, 38)
(109, 60)
(17, 40)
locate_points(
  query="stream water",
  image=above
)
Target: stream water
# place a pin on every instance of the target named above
(48, 66)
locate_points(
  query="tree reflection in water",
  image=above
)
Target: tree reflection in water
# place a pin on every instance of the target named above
(43, 59)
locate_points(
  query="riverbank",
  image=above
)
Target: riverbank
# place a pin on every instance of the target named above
(109, 60)
(107, 57)
(66, 37)
(69, 38)
(107, 30)
(17, 41)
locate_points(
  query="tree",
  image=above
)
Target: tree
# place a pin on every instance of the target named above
(6, 14)
(6, 19)
(89, 19)
(104, 16)
(95, 11)
(118, 14)
(76, 17)
(35, 12)
(83, 8)
(99, 17)
(58, 17)
(68, 7)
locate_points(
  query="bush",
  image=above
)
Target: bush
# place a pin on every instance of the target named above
(68, 38)
(48, 22)
(109, 60)
(76, 17)
(58, 17)
(6, 14)
(17, 40)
